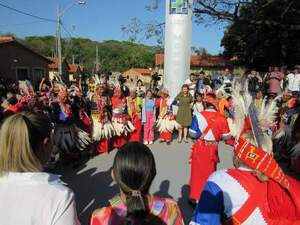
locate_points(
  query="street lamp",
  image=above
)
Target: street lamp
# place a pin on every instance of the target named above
(58, 30)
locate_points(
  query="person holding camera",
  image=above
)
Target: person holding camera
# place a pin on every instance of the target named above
(191, 84)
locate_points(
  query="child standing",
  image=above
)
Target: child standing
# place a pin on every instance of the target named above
(148, 117)
(198, 105)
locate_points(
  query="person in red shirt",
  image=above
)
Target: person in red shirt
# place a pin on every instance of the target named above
(208, 127)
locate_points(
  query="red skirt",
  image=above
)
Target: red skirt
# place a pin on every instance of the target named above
(103, 146)
(166, 136)
(118, 142)
(204, 161)
(136, 135)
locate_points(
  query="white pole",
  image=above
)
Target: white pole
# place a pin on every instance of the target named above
(178, 40)
(59, 41)
(97, 60)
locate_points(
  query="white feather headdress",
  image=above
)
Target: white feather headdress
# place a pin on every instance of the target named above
(26, 88)
(243, 102)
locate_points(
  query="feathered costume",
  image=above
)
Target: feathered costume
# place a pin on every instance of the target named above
(166, 122)
(134, 107)
(257, 191)
(28, 95)
(103, 129)
(67, 137)
(120, 119)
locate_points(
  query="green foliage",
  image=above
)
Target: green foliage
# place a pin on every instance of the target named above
(114, 56)
(266, 33)
(200, 51)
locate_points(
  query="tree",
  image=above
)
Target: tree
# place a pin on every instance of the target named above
(260, 32)
(113, 55)
(265, 34)
(199, 51)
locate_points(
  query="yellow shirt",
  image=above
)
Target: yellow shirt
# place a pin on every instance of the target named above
(134, 106)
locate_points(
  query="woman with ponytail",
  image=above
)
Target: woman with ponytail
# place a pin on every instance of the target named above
(27, 195)
(133, 171)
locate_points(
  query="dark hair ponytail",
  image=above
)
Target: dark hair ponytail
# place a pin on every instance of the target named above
(134, 170)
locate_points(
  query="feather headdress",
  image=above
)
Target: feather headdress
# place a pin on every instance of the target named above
(132, 85)
(253, 146)
(99, 80)
(247, 117)
(113, 82)
(26, 88)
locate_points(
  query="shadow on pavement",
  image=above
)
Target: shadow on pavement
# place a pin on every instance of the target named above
(92, 189)
(163, 190)
(186, 209)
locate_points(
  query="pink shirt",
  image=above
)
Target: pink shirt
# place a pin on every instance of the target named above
(165, 209)
(274, 82)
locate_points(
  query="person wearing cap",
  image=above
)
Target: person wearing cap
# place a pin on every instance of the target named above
(166, 121)
(256, 191)
(208, 128)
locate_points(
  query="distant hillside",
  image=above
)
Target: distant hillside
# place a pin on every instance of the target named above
(113, 55)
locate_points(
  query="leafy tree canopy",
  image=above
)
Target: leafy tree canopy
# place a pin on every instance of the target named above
(265, 33)
(116, 56)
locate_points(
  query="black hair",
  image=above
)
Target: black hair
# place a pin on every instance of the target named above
(12, 100)
(134, 170)
(209, 105)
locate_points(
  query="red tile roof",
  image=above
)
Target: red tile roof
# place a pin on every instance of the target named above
(54, 64)
(142, 71)
(208, 61)
(73, 68)
(198, 61)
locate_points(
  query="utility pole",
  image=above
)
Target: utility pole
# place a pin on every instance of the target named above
(97, 61)
(58, 31)
(73, 59)
(58, 41)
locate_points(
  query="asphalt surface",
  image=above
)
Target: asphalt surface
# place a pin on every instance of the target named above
(93, 185)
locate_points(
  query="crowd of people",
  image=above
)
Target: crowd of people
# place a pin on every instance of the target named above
(256, 115)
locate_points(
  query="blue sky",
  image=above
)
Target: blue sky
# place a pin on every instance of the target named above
(98, 20)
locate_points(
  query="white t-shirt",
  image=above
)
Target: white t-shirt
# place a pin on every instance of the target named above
(293, 82)
(36, 199)
(197, 108)
(191, 85)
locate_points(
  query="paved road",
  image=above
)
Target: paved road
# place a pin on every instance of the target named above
(93, 185)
